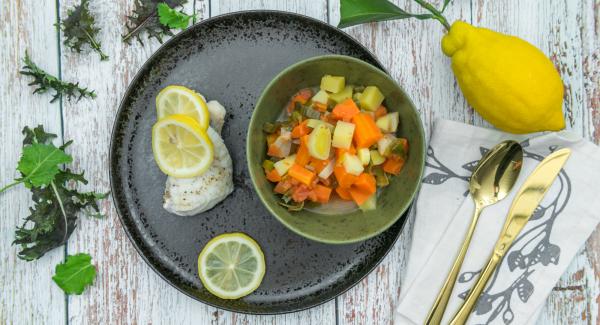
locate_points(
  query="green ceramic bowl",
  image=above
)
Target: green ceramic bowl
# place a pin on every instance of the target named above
(392, 201)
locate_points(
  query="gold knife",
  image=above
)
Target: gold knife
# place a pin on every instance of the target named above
(526, 201)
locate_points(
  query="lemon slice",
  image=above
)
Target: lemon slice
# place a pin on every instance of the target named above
(181, 146)
(231, 266)
(183, 101)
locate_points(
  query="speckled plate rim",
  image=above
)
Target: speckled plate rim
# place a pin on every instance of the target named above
(254, 169)
(115, 180)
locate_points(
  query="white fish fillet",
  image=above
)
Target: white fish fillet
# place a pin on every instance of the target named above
(190, 196)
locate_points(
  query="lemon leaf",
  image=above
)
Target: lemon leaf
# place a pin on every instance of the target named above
(355, 12)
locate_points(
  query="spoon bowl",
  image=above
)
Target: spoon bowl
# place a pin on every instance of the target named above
(496, 173)
(493, 178)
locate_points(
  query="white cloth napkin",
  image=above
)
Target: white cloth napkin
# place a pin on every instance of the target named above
(565, 218)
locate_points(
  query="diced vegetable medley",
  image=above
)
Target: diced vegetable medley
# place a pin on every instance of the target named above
(335, 141)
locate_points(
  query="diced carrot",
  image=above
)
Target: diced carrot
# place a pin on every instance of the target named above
(303, 156)
(273, 176)
(271, 138)
(320, 106)
(393, 165)
(301, 174)
(274, 151)
(281, 147)
(359, 196)
(328, 117)
(300, 130)
(302, 96)
(283, 187)
(404, 143)
(339, 152)
(366, 132)
(343, 193)
(344, 179)
(366, 183)
(381, 111)
(301, 193)
(317, 164)
(345, 110)
(323, 193)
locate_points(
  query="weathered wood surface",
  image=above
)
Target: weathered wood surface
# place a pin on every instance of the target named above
(27, 293)
(128, 291)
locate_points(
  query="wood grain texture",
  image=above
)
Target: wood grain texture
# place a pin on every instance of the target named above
(410, 50)
(28, 294)
(126, 289)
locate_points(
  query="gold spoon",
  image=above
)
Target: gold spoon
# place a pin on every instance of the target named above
(491, 181)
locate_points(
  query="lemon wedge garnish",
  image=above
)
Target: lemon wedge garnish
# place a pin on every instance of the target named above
(231, 266)
(183, 101)
(181, 146)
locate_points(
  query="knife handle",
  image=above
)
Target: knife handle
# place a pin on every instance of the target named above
(469, 304)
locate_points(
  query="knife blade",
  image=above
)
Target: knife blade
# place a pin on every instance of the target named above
(526, 201)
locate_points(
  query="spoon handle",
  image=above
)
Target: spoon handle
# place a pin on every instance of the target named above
(469, 304)
(436, 313)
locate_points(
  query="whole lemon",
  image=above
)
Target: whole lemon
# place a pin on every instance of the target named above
(510, 82)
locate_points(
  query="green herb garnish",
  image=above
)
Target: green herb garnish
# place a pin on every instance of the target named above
(271, 128)
(268, 165)
(355, 12)
(381, 178)
(145, 17)
(75, 274)
(173, 18)
(52, 218)
(45, 82)
(79, 29)
(291, 205)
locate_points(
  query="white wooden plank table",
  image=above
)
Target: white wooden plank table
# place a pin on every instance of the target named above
(126, 289)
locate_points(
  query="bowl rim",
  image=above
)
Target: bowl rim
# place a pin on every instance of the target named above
(253, 169)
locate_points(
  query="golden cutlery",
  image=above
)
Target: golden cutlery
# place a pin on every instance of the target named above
(523, 206)
(491, 181)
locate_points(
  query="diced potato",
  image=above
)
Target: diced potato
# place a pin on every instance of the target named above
(370, 204)
(371, 98)
(384, 145)
(313, 123)
(342, 95)
(352, 164)
(319, 142)
(342, 136)
(328, 170)
(376, 158)
(333, 84)
(321, 97)
(364, 155)
(389, 122)
(284, 165)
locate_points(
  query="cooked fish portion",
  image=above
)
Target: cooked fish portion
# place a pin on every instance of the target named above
(190, 196)
(217, 115)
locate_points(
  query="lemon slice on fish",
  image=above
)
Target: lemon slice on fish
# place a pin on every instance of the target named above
(231, 266)
(183, 101)
(181, 146)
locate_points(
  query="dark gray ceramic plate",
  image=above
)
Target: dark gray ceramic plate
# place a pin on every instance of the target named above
(231, 58)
